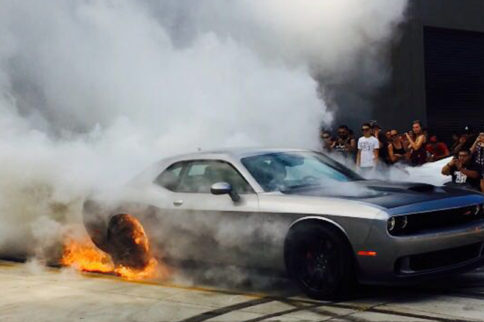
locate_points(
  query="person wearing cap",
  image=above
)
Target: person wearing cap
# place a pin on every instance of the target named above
(436, 150)
(465, 140)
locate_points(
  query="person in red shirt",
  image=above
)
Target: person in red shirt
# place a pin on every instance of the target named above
(436, 150)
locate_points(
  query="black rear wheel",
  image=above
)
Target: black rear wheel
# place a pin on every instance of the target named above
(128, 243)
(320, 260)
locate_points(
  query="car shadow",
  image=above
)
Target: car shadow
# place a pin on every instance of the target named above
(239, 280)
(268, 288)
(467, 285)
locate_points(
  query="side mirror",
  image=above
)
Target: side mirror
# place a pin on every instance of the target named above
(222, 188)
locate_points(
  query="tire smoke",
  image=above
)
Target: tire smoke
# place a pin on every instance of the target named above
(93, 92)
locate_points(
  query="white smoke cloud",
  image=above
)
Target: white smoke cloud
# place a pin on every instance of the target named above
(93, 91)
(338, 40)
(97, 63)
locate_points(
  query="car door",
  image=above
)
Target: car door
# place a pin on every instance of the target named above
(206, 227)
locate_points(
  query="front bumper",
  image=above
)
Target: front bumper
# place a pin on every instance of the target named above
(414, 258)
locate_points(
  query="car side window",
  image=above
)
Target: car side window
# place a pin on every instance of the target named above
(201, 175)
(170, 178)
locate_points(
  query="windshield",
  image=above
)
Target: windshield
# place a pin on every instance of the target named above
(284, 171)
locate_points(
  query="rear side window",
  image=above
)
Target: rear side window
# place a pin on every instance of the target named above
(199, 176)
(170, 178)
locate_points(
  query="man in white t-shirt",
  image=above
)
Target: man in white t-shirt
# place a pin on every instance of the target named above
(368, 146)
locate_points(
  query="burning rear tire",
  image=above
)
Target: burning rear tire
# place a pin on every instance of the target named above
(128, 243)
(320, 261)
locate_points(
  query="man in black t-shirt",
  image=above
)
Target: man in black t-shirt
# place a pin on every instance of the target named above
(344, 143)
(463, 171)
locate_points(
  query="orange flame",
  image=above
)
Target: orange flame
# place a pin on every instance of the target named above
(152, 270)
(83, 255)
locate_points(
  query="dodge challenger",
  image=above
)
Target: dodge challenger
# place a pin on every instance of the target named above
(295, 212)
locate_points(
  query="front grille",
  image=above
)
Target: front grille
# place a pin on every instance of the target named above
(421, 222)
(438, 259)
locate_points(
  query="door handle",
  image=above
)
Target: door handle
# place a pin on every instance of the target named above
(178, 203)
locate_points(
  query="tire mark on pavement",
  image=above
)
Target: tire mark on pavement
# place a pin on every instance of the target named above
(416, 315)
(281, 313)
(227, 309)
(378, 309)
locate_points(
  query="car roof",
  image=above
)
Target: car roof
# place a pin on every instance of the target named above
(236, 153)
(232, 154)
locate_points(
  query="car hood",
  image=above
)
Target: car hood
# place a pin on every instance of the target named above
(389, 195)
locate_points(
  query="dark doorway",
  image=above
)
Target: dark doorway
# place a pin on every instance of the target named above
(454, 80)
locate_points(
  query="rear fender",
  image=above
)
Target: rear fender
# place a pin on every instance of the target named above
(95, 221)
(96, 217)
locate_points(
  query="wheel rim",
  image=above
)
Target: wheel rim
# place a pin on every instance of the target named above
(319, 269)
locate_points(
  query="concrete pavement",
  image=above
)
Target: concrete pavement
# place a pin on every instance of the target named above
(33, 293)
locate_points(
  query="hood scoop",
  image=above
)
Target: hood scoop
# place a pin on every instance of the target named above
(421, 187)
(400, 186)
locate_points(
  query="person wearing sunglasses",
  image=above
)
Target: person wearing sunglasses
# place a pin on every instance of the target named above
(368, 147)
(396, 148)
(344, 144)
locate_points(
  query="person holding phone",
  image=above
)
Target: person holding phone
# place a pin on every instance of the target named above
(344, 144)
(416, 142)
(477, 151)
(464, 172)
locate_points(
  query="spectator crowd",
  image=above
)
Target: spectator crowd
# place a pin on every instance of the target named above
(375, 149)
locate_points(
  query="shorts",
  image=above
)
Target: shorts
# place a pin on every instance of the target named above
(366, 172)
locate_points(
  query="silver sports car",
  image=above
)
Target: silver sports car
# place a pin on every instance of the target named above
(292, 211)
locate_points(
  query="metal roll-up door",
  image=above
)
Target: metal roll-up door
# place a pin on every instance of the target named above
(454, 80)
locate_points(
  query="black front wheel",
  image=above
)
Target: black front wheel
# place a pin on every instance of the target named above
(320, 260)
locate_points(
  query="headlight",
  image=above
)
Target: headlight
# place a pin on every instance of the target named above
(391, 223)
(403, 222)
(476, 211)
(397, 223)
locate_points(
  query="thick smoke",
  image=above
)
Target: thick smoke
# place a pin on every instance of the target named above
(345, 44)
(91, 92)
